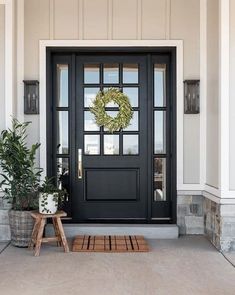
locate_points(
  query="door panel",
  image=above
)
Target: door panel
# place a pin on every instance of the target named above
(107, 185)
(114, 185)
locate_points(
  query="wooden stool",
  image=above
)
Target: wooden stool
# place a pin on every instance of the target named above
(37, 233)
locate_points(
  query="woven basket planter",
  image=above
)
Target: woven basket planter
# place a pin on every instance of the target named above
(21, 225)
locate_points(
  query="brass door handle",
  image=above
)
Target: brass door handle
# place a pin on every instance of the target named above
(79, 163)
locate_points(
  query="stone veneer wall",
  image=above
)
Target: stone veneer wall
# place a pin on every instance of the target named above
(5, 234)
(220, 224)
(195, 215)
(190, 214)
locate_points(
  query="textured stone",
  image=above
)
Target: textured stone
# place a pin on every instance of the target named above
(197, 199)
(227, 244)
(196, 209)
(182, 210)
(184, 199)
(4, 219)
(190, 206)
(228, 210)
(5, 234)
(194, 225)
(228, 229)
(181, 224)
(220, 225)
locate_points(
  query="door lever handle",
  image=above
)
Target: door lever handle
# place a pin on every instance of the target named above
(79, 163)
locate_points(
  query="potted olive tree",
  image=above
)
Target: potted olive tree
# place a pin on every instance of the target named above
(50, 197)
(20, 180)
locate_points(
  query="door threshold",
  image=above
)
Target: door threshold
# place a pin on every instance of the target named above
(149, 231)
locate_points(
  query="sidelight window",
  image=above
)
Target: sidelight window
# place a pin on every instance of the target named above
(159, 133)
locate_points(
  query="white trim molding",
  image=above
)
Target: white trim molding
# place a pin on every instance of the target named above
(203, 89)
(203, 103)
(115, 43)
(20, 59)
(212, 190)
(224, 52)
(9, 35)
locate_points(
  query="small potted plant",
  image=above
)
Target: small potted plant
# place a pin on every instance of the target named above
(20, 180)
(50, 197)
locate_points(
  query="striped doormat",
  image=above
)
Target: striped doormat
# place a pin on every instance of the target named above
(110, 244)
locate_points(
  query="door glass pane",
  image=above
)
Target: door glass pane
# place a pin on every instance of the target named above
(132, 93)
(159, 132)
(62, 84)
(159, 85)
(111, 144)
(111, 73)
(134, 123)
(89, 96)
(130, 144)
(130, 73)
(63, 173)
(89, 122)
(91, 74)
(92, 144)
(159, 179)
(62, 132)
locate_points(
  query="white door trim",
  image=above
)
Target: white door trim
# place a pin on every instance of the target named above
(9, 35)
(114, 43)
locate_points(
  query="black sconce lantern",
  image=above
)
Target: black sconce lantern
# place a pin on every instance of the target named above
(191, 96)
(31, 97)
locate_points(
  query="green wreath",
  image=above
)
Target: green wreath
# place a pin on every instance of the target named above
(124, 116)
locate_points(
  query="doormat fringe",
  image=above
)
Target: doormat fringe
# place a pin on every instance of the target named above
(110, 244)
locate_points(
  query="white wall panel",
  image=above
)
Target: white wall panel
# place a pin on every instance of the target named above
(36, 28)
(154, 18)
(232, 95)
(95, 19)
(2, 67)
(212, 93)
(65, 19)
(185, 24)
(191, 149)
(125, 19)
(120, 19)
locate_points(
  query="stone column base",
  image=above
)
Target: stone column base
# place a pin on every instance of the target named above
(220, 225)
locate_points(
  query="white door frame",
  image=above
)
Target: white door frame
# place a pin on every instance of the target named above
(178, 44)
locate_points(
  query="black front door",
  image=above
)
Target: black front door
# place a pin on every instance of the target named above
(113, 180)
(124, 176)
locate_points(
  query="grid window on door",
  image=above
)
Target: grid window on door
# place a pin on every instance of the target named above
(98, 140)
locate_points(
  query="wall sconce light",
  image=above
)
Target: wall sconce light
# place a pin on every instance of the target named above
(191, 96)
(31, 97)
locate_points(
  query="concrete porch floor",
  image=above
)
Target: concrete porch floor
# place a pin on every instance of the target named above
(188, 265)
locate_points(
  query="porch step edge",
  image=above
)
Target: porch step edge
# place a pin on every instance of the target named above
(149, 231)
